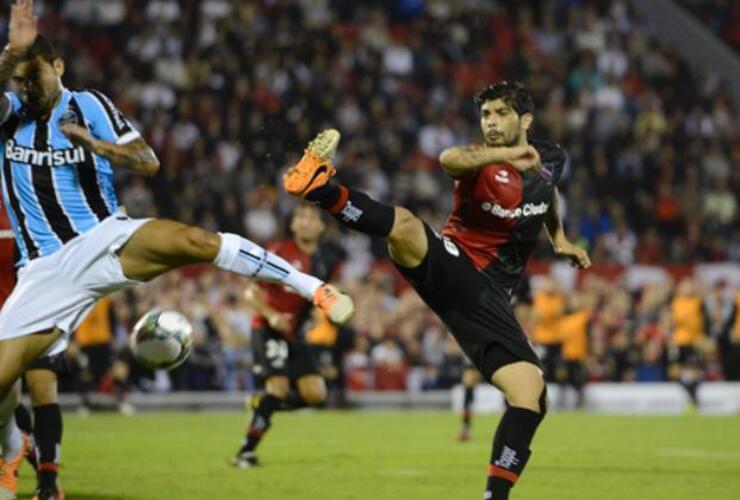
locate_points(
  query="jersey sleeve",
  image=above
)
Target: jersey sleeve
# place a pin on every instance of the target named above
(553, 159)
(106, 120)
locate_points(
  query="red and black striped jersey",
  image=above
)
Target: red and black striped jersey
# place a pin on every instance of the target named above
(498, 213)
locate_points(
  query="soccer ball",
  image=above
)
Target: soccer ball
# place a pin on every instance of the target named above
(162, 339)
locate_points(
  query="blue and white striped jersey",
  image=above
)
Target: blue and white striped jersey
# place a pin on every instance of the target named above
(54, 190)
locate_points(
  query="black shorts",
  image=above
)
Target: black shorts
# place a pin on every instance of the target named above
(324, 356)
(59, 364)
(551, 360)
(275, 356)
(686, 355)
(576, 373)
(99, 358)
(476, 309)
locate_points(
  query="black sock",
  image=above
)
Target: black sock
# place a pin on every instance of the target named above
(467, 405)
(692, 389)
(261, 421)
(47, 432)
(510, 450)
(326, 196)
(355, 209)
(23, 419)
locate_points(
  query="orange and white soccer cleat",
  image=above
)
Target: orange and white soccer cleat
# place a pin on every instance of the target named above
(315, 168)
(338, 307)
(9, 471)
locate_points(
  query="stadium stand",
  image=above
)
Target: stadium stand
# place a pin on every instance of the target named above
(228, 92)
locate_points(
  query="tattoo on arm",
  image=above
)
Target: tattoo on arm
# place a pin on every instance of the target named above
(474, 153)
(136, 155)
(461, 159)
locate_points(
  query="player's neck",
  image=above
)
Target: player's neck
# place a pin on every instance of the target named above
(307, 246)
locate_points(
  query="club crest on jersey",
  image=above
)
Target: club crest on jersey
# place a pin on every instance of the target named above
(451, 247)
(43, 158)
(502, 176)
(546, 171)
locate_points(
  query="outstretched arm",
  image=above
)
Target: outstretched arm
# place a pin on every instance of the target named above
(22, 31)
(575, 254)
(459, 160)
(136, 155)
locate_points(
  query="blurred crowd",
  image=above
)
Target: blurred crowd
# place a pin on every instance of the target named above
(229, 92)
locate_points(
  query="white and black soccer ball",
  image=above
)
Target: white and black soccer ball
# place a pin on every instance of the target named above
(162, 339)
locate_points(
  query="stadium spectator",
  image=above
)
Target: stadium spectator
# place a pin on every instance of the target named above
(227, 92)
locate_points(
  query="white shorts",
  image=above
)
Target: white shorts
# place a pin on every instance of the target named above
(58, 290)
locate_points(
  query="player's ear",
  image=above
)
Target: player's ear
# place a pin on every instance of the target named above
(526, 121)
(58, 66)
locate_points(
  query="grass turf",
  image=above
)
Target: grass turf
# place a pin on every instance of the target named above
(394, 455)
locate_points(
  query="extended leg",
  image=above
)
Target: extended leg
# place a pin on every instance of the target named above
(311, 179)
(162, 245)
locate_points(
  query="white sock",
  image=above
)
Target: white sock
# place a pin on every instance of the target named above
(11, 439)
(243, 257)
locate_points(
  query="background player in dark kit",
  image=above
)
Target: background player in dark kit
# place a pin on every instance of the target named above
(282, 358)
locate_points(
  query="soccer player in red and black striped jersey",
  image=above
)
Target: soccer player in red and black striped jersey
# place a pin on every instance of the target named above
(282, 359)
(504, 193)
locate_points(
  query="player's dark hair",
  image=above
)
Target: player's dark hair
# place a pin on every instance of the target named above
(44, 48)
(514, 94)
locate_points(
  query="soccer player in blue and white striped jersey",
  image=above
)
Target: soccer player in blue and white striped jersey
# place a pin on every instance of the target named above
(57, 189)
(57, 152)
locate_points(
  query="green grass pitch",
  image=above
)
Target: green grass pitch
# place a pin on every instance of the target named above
(394, 455)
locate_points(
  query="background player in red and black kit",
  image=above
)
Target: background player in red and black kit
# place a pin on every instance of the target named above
(504, 193)
(282, 359)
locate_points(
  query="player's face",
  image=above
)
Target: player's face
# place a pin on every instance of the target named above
(38, 84)
(501, 125)
(306, 223)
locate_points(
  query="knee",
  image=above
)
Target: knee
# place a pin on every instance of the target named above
(407, 242)
(278, 388)
(42, 391)
(200, 244)
(470, 378)
(315, 395)
(532, 396)
(404, 224)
